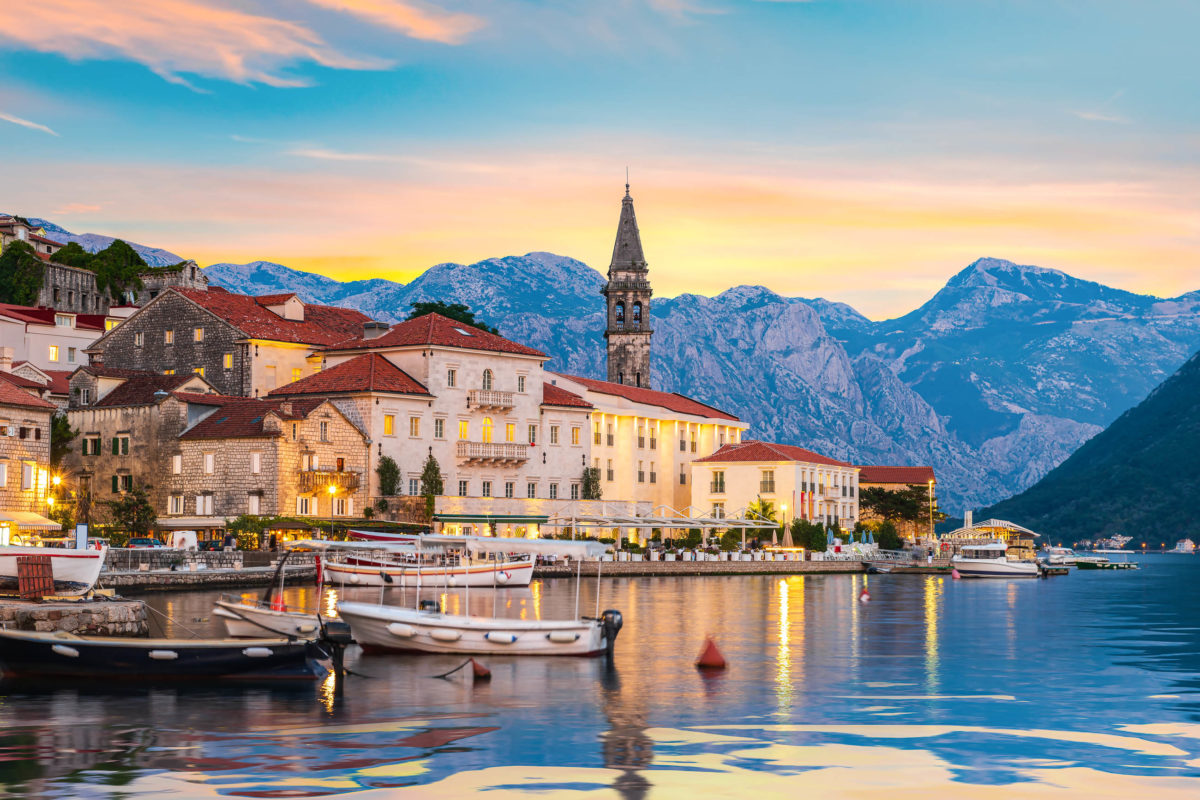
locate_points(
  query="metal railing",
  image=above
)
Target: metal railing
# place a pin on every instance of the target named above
(320, 479)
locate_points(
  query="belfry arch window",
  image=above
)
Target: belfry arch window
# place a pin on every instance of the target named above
(487, 380)
(619, 312)
(637, 313)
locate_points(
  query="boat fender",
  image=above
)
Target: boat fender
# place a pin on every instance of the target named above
(164, 655)
(63, 650)
(306, 628)
(865, 596)
(402, 630)
(354, 578)
(452, 580)
(277, 603)
(710, 657)
(445, 635)
(500, 637)
(504, 576)
(562, 637)
(257, 652)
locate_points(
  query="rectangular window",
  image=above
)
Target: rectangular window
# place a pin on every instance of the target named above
(682, 477)
(610, 435)
(305, 462)
(109, 324)
(553, 434)
(197, 334)
(653, 474)
(439, 428)
(176, 464)
(227, 361)
(297, 373)
(414, 486)
(199, 371)
(575, 436)
(574, 491)
(487, 489)
(693, 441)
(63, 320)
(27, 478)
(414, 427)
(91, 446)
(303, 504)
(126, 483)
(253, 504)
(462, 488)
(641, 473)
(596, 434)
(85, 397)
(510, 432)
(718, 482)
(339, 506)
(464, 430)
(168, 372)
(3, 475)
(766, 484)
(718, 510)
(641, 436)
(509, 488)
(54, 352)
(255, 463)
(521, 384)
(554, 491)
(389, 424)
(451, 378)
(210, 463)
(611, 474)
(324, 428)
(176, 504)
(70, 355)
(116, 484)
(683, 445)
(531, 490)
(533, 434)
(120, 445)
(168, 336)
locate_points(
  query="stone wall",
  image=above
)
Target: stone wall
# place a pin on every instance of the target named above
(71, 289)
(187, 275)
(31, 443)
(84, 618)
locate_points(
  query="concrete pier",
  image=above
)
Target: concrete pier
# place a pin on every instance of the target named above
(165, 580)
(629, 569)
(82, 617)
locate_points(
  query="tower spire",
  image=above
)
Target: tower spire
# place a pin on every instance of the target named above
(628, 298)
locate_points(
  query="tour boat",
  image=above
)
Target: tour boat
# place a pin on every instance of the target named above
(383, 536)
(378, 627)
(991, 561)
(366, 571)
(29, 654)
(75, 570)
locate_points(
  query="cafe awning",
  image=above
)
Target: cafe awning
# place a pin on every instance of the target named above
(29, 521)
(491, 519)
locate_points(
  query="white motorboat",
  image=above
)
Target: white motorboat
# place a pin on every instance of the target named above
(366, 571)
(244, 619)
(991, 561)
(1061, 556)
(75, 570)
(378, 627)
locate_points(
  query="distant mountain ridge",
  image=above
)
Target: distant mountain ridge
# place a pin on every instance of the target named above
(95, 242)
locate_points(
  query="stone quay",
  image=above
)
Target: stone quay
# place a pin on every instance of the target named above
(116, 617)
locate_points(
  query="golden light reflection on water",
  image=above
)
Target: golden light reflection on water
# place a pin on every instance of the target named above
(325, 694)
(329, 604)
(933, 603)
(791, 617)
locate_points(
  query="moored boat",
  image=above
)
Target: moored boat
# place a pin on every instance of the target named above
(1060, 556)
(366, 571)
(990, 560)
(243, 619)
(75, 570)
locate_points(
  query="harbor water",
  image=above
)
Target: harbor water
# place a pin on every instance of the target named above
(1086, 685)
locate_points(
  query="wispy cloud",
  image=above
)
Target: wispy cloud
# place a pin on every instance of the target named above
(74, 208)
(415, 19)
(1100, 116)
(324, 154)
(24, 123)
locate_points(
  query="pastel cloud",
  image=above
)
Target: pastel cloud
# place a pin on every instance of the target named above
(193, 37)
(24, 123)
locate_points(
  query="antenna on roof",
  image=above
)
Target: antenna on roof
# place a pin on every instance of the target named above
(627, 180)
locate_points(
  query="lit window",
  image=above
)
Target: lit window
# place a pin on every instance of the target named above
(439, 429)
(296, 374)
(168, 337)
(109, 324)
(198, 334)
(574, 435)
(414, 426)
(487, 429)
(168, 372)
(227, 361)
(199, 371)
(54, 352)
(464, 430)
(451, 377)
(389, 424)
(510, 432)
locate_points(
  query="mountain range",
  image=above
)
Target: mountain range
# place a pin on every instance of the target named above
(994, 381)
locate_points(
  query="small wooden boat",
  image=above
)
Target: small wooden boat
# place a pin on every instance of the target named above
(378, 627)
(75, 570)
(244, 619)
(29, 654)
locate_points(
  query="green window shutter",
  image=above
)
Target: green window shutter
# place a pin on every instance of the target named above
(116, 484)
(116, 445)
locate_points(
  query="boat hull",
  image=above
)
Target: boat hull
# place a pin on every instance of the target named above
(27, 654)
(75, 571)
(366, 573)
(994, 568)
(389, 628)
(242, 620)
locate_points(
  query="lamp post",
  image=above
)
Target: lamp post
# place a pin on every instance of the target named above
(332, 492)
(931, 536)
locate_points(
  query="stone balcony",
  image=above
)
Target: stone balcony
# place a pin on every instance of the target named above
(486, 398)
(319, 480)
(493, 452)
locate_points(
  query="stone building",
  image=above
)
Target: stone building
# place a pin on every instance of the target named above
(627, 295)
(156, 280)
(24, 461)
(270, 457)
(129, 428)
(19, 229)
(72, 289)
(898, 479)
(242, 345)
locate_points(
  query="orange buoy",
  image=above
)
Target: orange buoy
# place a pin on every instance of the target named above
(864, 596)
(954, 575)
(481, 672)
(277, 603)
(710, 656)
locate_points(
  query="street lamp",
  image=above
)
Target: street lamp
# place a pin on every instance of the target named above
(332, 492)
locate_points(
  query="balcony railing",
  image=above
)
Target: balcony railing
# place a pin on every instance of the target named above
(319, 480)
(486, 398)
(493, 452)
(766, 487)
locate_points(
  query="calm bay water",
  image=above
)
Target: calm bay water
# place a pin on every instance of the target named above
(1084, 685)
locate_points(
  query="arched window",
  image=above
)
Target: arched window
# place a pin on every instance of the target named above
(487, 380)
(637, 313)
(487, 429)
(619, 312)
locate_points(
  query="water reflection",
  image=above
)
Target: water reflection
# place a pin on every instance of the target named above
(933, 597)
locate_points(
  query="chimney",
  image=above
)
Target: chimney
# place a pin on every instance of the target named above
(969, 519)
(285, 408)
(6, 359)
(373, 330)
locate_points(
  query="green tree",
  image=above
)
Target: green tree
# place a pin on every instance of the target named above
(818, 540)
(801, 533)
(590, 484)
(455, 311)
(21, 274)
(73, 256)
(910, 504)
(388, 473)
(762, 509)
(117, 267)
(61, 435)
(887, 537)
(248, 530)
(731, 540)
(132, 512)
(431, 483)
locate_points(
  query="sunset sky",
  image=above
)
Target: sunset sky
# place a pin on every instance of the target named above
(860, 151)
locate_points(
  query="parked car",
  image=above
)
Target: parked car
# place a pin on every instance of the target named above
(144, 543)
(211, 544)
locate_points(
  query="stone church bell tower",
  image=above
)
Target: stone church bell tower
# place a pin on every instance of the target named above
(628, 294)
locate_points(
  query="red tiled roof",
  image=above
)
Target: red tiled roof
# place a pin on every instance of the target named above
(273, 299)
(322, 325)
(101, 371)
(93, 322)
(370, 372)
(668, 400)
(12, 395)
(35, 237)
(557, 396)
(243, 417)
(203, 399)
(911, 476)
(140, 390)
(22, 381)
(59, 380)
(752, 450)
(434, 329)
(45, 316)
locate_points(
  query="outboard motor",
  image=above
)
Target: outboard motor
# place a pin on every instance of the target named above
(336, 634)
(611, 621)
